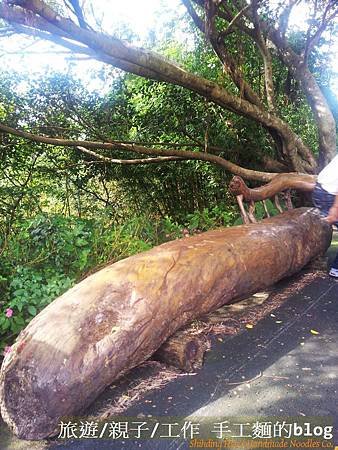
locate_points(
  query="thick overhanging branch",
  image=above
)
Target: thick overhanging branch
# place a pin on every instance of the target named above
(33, 25)
(139, 149)
(280, 183)
(266, 55)
(37, 15)
(288, 143)
(297, 64)
(60, 40)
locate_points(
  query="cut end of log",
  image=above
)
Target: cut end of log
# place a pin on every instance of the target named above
(184, 351)
(16, 386)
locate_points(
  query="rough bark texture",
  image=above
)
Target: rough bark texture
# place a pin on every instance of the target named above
(280, 183)
(184, 350)
(139, 149)
(118, 317)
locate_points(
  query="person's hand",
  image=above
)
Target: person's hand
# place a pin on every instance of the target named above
(333, 215)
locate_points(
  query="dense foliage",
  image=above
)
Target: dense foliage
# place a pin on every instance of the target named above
(63, 216)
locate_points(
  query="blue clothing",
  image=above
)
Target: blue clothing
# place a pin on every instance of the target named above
(323, 200)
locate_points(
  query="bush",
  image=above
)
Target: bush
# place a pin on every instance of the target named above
(46, 255)
(206, 219)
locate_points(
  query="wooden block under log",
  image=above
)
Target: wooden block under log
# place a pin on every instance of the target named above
(184, 350)
(118, 317)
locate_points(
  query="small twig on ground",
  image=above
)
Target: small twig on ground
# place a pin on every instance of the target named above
(247, 381)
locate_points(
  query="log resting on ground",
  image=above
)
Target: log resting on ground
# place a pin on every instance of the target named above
(184, 350)
(118, 317)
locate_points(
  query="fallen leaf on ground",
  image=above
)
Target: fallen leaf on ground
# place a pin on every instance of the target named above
(314, 332)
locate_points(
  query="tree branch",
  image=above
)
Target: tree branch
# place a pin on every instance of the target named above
(130, 161)
(31, 24)
(322, 113)
(311, 41)
(195, 17)
(284, 17)
(285, 140)
(76, 9)
(233, 22)
(200, 156)
(150, 65)
(281, 182)
(317, 101)
(266, 55)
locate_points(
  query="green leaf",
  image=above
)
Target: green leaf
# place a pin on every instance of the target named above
(19, 320)
(32, 310)
(6, 325)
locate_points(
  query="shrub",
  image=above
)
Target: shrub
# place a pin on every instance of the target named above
(46, 255)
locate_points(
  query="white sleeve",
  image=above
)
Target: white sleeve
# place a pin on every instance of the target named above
(328, 177)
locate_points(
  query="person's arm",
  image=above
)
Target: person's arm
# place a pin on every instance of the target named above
(333, 213)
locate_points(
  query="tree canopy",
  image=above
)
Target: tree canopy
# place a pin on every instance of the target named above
(254, 54)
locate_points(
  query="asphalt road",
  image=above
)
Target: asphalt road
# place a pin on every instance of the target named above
(278, 368)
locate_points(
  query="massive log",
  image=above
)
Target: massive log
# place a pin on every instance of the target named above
(118, 317)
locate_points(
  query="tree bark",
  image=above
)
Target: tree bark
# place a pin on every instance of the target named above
(184, 350)
(280, 183)
(139, 149)
(322, 113)
(323, 116)
(118, 317)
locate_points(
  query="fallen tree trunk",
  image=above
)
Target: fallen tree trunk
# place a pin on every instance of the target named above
(118, 317)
